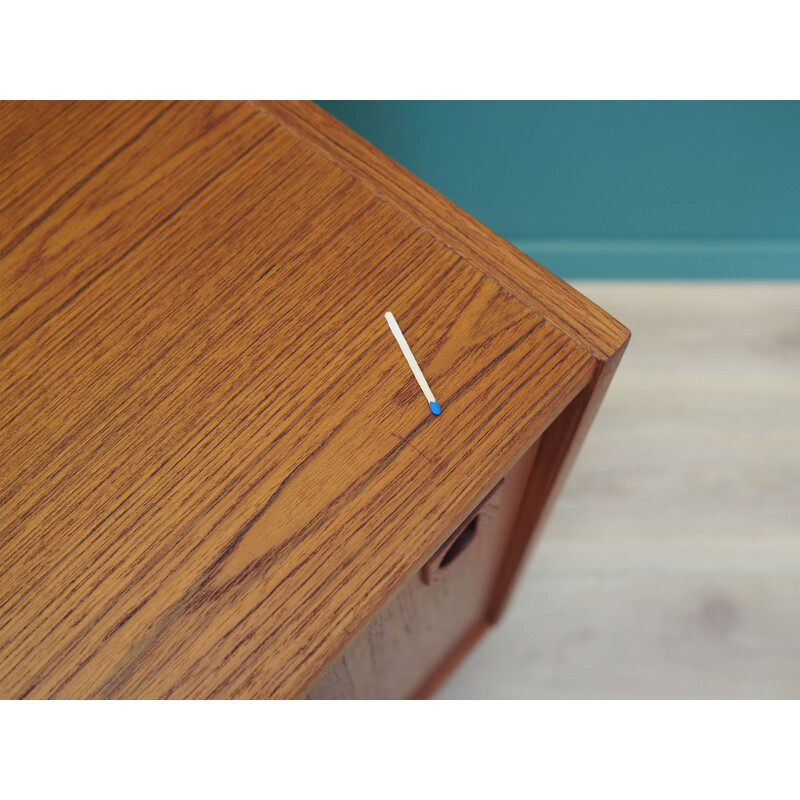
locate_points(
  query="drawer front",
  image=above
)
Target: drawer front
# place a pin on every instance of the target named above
(422, 632)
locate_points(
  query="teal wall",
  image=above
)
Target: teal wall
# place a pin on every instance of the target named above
(612, 189)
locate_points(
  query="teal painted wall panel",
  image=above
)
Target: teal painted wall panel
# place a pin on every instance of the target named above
(612, 189)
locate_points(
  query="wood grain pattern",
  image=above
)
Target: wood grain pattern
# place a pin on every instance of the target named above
(531, 283)
(215, 466)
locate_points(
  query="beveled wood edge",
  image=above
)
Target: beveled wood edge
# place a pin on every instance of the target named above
(555, 300)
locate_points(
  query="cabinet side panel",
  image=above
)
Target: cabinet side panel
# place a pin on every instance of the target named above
(559, 446)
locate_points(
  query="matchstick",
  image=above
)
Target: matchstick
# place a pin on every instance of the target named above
(412, 362)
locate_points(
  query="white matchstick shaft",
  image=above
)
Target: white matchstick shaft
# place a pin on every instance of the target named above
(412, 362)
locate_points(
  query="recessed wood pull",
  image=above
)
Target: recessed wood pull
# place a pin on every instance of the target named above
(460, 544)
(456, 543)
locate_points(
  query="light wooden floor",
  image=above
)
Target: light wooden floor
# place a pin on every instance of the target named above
(671, 565)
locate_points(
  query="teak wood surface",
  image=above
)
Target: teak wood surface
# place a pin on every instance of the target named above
(216, 466)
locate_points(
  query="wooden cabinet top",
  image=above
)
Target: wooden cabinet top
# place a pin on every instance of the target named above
(216, 465)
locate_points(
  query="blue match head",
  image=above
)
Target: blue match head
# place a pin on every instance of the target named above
(436, 408)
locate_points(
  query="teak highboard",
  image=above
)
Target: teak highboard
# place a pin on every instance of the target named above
(219, 477)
